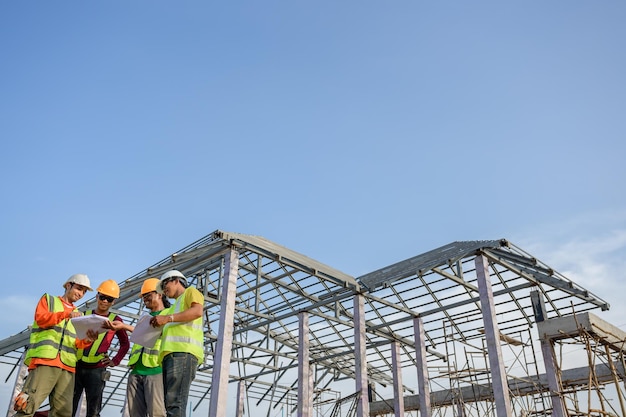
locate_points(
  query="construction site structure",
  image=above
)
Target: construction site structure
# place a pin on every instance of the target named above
(472, 328)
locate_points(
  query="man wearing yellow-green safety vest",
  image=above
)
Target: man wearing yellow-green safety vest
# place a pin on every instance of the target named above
(182, 341)
(91, 368)
(144, 390)
(51, 355)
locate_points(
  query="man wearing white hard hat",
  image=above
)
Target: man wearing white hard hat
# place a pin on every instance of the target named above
(182, 341)
(51, 355)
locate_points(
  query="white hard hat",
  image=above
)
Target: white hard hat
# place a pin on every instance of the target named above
(80, 279)
(169, 275)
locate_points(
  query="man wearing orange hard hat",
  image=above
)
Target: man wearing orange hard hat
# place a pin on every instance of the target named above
(144, 390)
(91, 368)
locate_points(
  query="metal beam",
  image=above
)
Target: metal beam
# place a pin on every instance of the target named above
(219, 380)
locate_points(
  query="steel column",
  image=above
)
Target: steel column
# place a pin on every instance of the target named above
(360, 356)
(221, 361)
(305, 396)
(423, 381)
(492, 336)
(398, 392)
(241, 386)
(549, 358)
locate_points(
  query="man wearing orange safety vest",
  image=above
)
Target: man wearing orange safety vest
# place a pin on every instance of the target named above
(91, 368)
(51, 355)
(182, 341)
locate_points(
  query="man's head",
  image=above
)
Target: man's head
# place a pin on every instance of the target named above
(108, 292)
(172, 284)
(153, 300)
(76, 286)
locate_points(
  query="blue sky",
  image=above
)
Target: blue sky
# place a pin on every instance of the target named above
(357, 133)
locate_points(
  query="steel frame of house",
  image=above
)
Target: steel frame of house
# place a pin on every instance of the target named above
(451, 332)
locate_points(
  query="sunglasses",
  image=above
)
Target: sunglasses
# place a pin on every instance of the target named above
(167, 281)
(106, 298)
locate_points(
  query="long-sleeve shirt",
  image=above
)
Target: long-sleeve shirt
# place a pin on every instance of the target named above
(46, 319)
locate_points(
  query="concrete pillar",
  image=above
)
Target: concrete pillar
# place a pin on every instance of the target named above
(305, 396)
(422, 368)
(398, 391)
(360, 357)
(492, 335)
(221, 360)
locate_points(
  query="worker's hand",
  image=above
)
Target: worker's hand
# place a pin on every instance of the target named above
(159, 321)
(92, 335)
(113, 325)
(107, 361)
(75, 314)
(21, 401)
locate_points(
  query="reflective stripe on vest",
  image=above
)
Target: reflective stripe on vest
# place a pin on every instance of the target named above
(57, 340)
(149, 357)
(90, 355)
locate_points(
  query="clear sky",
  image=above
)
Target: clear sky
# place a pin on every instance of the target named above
(357, 133)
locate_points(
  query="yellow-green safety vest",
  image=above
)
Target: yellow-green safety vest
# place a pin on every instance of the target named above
(49, 342)
(185, 337)
(90, 354)
(150, 357)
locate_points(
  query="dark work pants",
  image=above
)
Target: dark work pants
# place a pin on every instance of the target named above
(91, 380)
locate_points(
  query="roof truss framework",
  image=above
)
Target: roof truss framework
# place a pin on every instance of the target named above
(274, 284)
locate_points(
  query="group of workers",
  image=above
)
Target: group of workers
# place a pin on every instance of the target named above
(61, 367)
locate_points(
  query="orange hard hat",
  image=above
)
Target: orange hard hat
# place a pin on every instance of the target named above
(110, 288)
(149, 285)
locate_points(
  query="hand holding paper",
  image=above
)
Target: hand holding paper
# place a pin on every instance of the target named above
(90, 322)
(144, 334)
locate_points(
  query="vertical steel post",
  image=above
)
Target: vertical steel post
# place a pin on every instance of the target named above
(422, 368)
(398, 392)
(305, 396)
(492, 334)
(549, 360)
(552, 375)
(360, 356)
(241, 386)
(221, 360)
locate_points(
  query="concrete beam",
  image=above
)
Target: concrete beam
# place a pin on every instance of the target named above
(571, 326)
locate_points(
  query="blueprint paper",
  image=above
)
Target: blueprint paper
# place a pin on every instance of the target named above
(144, 334)
(91, 321)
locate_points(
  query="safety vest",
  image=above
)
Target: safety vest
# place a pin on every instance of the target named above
(57, 340)
(91, 355)
(185, 337)
(149, 356)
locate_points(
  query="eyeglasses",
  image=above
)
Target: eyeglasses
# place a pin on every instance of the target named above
(147, 296)
(106, 298)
